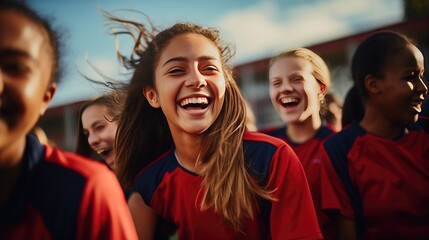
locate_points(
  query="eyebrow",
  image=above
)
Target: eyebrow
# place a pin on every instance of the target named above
(17, 53)
(184, 59)
(14, 53)
(92, 125)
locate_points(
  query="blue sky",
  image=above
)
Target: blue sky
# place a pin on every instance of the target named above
(258, 28)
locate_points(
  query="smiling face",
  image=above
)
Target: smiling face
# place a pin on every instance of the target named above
(401, 91)
(26, 67)
(189, 84)
(294, 91)
(100, 132)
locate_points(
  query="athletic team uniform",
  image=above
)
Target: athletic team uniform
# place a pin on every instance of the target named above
(61, 195)
(307, 154)
(175, 194)
(381, 183)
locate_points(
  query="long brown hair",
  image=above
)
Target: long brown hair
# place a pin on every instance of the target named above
(114, 101)
(143, 132)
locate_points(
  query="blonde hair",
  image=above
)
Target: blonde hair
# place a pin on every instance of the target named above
(320, 69)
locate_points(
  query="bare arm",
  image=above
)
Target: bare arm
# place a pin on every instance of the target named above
(144, 217)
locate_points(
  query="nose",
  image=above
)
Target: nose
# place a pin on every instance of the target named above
(421, 87)
(286, 86)
(196, 79)
(93, 140)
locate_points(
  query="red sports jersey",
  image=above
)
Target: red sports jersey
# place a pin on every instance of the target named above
(175, 194)
(307, 154)
(382, 183)
(60, 195)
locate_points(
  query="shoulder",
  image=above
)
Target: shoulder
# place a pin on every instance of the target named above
(278, 131)
(161, 164)
(148, 179)
(67, 186)
(82, 166)
(344, 138)
(260, 139)
(69, 172)
(324, 132)
(261, 151)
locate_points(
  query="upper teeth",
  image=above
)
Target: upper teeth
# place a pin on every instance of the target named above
(100, 151)
(288, 100)
(196, 100)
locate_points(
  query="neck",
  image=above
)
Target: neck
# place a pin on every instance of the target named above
(375, 123)
(300, 132)
(187, 151)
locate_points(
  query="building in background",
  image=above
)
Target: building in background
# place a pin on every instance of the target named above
(60, 122)
(253, 76)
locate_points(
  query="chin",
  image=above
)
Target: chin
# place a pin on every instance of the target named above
(109, 162)
(291, 119)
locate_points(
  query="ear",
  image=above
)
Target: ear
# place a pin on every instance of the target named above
(47, 97)
(322, 90)
(372, 85)
(151, 96)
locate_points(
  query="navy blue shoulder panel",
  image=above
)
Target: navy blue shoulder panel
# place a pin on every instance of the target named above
(279, 132)
(57, 194)
(54, 191)
(148, 180)
(324, 132)
(258, 156)
(15, 208)
(338, 147)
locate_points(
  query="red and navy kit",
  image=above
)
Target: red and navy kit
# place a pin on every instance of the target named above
(61, 195)
(175, 194)
(381, 183)
(307, 154)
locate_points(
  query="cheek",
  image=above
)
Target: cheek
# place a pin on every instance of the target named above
(111, 132)
(219, 88)
(410, 86)
(273, 94)
(32, 93)
(167, 89)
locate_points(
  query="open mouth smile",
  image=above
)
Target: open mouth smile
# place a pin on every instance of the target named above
(289, 101)
(194, 103)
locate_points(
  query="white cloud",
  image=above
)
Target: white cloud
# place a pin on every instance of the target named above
(265, 28)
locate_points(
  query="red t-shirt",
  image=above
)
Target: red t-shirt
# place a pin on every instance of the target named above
(307, 153)
(175, 194)
(61, 195)
(390, 178)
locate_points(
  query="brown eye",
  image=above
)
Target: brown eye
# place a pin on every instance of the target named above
(99, 127)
